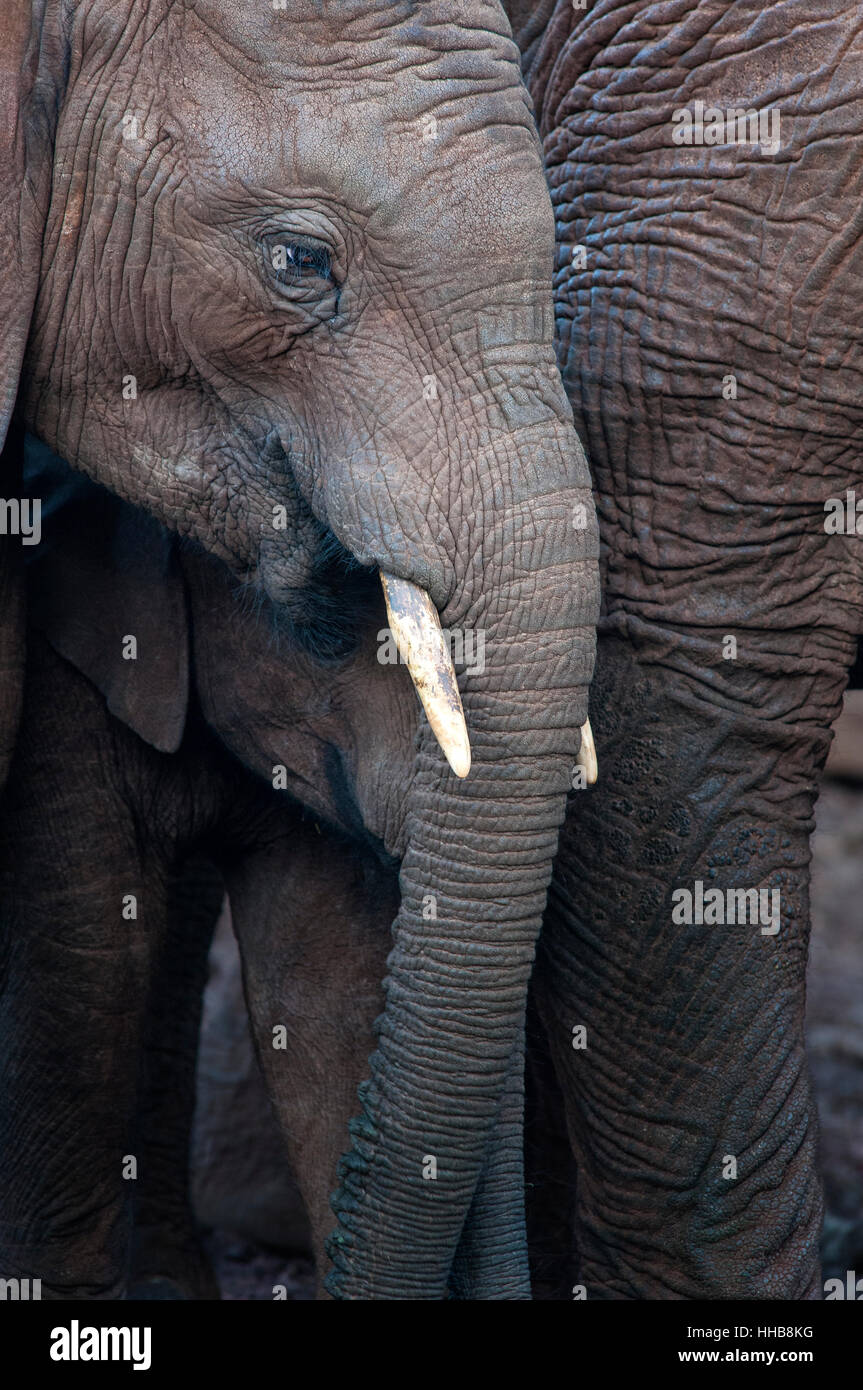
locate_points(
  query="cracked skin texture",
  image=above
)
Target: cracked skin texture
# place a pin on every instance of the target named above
(701, 262)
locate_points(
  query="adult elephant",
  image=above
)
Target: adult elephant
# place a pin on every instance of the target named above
(279, 280)
(707, 300)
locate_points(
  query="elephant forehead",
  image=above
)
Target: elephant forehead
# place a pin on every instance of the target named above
(392, 136)
(388, 108)
(354, 23)
(319, 43)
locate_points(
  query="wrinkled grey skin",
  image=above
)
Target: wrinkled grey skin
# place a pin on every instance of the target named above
(701, 262)
(158, 153)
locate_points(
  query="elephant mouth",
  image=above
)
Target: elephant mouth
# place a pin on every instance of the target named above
(321, 600)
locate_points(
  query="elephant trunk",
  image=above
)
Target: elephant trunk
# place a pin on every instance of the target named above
(473, 886)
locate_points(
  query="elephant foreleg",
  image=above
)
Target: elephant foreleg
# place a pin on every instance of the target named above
(688, 1097)
(81, 911)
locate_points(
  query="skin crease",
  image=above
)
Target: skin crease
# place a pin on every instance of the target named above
(700, 263)
(185, 143)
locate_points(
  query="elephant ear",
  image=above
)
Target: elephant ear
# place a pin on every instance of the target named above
(105, 586)
(24, 185)
(108, 575)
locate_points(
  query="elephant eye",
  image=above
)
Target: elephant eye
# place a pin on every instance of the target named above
(294, 263)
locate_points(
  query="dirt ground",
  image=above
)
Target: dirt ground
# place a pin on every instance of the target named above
(245, 1199)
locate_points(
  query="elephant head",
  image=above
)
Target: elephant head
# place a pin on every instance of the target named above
(284, 281)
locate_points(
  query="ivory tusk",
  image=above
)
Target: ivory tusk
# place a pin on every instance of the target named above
(415, 625)
(588, 754)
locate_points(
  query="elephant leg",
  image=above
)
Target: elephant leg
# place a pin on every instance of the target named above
(167, 1258)
(689, 1103)
(491, 1259)
(313, 915)
(81, 913)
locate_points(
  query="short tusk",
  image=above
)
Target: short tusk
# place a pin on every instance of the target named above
(415, 625)
(588, 754)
